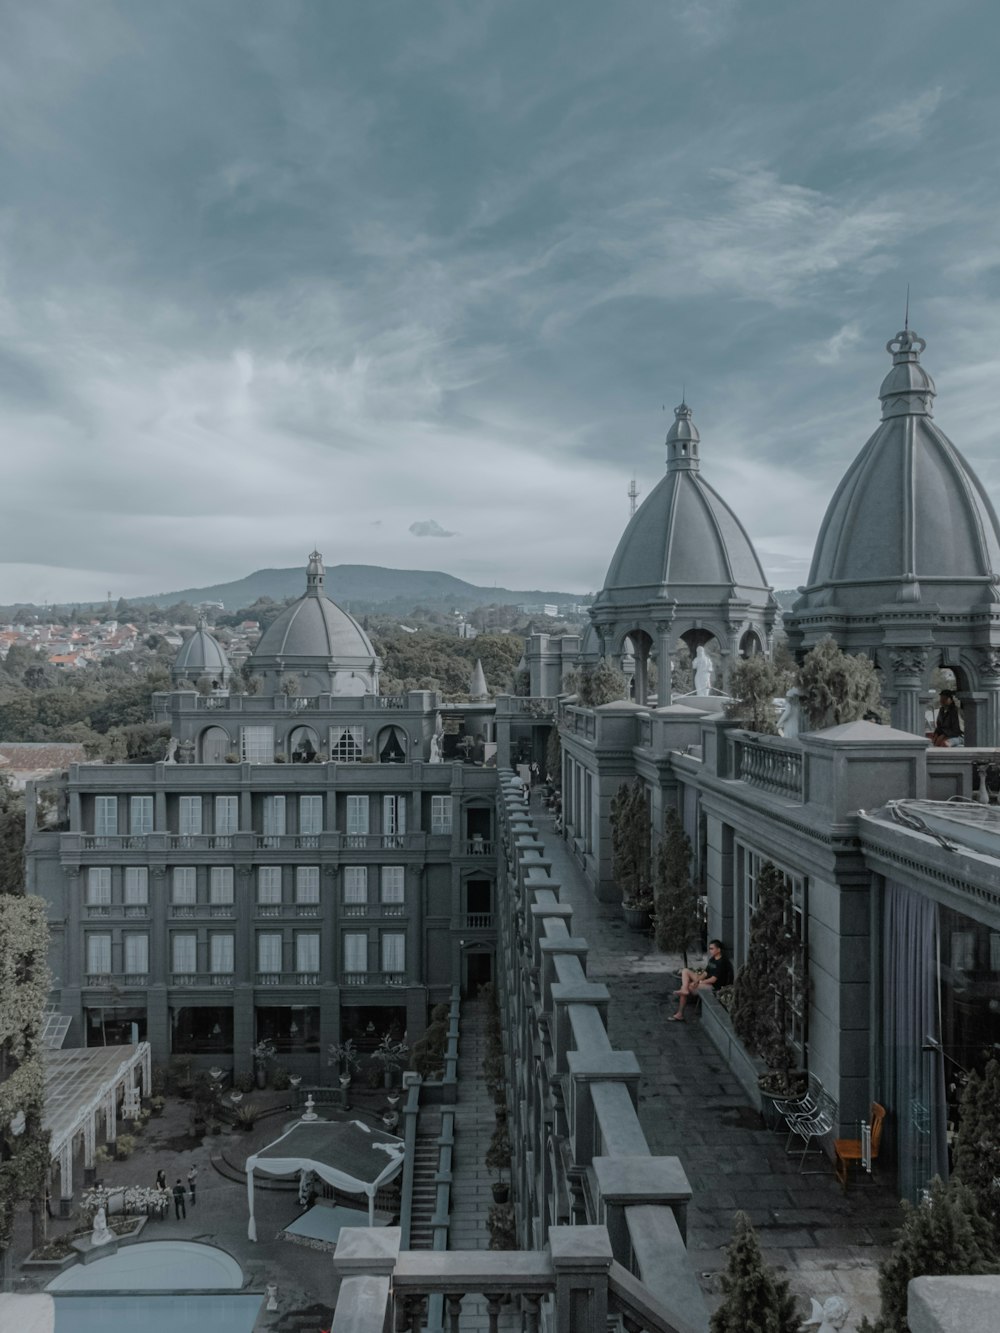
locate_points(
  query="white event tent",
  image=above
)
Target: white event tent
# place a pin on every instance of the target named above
(347, 1154)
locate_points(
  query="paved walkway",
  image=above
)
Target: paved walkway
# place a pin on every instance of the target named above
(691, 1107)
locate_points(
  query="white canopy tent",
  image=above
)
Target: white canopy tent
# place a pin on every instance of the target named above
(347, 1154)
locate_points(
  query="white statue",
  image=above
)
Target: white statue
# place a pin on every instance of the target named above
(790, 721)
(437, 743)
(171, 756)
(101, 1233)
(702, 672)
(828, 1317)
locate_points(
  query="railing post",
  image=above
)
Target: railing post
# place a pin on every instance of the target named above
(364, 1259)
(563, 995)
(622, 1181)
(581, 1259)
(585, 1068)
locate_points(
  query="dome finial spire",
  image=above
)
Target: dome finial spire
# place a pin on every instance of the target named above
(682, 441)
(906, 316)
(314, 574)
(907, 389)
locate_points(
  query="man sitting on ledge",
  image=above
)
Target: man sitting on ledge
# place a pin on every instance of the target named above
(718, 972)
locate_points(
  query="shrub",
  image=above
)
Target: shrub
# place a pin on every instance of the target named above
(755, 683)
(631, 834)
(769, 985)
(837, 687)
(124, 1146)
(753, 1297)
(244, 1081)
(279, 1078)
(246, 1115)
(977, 1152)
(499, 1152)
(942, 1236)
(677, 920)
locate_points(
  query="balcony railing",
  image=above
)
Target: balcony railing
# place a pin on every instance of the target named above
(354, 909)
(287, 978)
(195, 844)
(479, 921)
(201, 979)
(97, 909)
(390, 701)
(98, 979)
(135, 979)
(183, 910)
(306, 909)
(478, 847)
(393, 978)
(771, 767)
(355, 978)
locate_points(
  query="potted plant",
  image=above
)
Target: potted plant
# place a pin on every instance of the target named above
(244, 1081)
(262, 1053)
(678, 921)
(156, 1105)
(769, 987)
(344, 1055)
(124, 1147)
(498, 1157)
(503, 1231)
(389, 1056)
(631, 833)
(246, 1115)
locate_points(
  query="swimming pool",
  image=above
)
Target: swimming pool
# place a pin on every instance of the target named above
(178, 1284)
(158, 1265)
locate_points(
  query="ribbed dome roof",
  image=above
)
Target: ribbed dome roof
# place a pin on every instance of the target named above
(910, 521)
(315, 627)
(683, 536)
(201, 655)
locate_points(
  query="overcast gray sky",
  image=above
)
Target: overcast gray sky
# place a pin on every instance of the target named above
(414, 281)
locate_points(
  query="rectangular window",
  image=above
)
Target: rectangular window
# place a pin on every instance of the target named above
(307, 952)
(307, 884)
(310, 814)
(136, 955)
(136, 886)
(356, 884)
(184, 886)
(269, 953)
(184, 954)
(347, 744)
(269, 885)
(99, 955)
(220, 953)
(257, 745)
(99, 886)
(355, 952)
(274, 816)
(189, 816)
(393, 951)
(227, 815)
(441, 814)
(140, 814)
(105, 816)
(357, 814)
(220, 886)
(392, 884)
(393, 814)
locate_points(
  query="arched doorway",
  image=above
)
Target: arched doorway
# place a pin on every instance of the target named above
(642, 647)
(303, 745)
(214, 745)
(391, 745)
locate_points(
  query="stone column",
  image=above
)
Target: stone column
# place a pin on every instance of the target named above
(908, 665)
(66, 1180)
(581, 1257)
(988, 712)
(664, 692)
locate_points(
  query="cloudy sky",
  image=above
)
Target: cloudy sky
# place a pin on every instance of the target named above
(414, 281)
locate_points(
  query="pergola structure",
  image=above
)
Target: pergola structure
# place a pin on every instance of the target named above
(347, 1154)
(82, 1084)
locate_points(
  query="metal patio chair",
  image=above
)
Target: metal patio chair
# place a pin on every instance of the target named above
(811, 1125)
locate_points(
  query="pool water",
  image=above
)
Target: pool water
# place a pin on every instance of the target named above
(183, 1286)
(158, 1265)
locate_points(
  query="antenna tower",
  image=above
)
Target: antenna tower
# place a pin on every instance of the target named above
(633, 496)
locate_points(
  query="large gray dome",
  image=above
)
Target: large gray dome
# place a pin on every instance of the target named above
(201, 656)
(316, 637)
(910, 522)
(907, 563)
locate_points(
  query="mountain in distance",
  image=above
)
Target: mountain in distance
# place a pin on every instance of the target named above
(362, 585)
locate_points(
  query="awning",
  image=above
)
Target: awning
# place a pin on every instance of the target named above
(347, 1154)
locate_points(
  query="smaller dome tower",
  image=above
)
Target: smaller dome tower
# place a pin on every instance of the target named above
(201, 658)
(684, 569)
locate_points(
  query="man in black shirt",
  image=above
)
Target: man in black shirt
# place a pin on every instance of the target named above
(718, 972)
(948, 723)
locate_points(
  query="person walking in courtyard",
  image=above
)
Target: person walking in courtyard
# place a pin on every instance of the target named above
(718, 972)
(192, 1183)
(161, 1179)
(179, 1209)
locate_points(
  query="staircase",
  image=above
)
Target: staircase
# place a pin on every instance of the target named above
(425, 1165)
